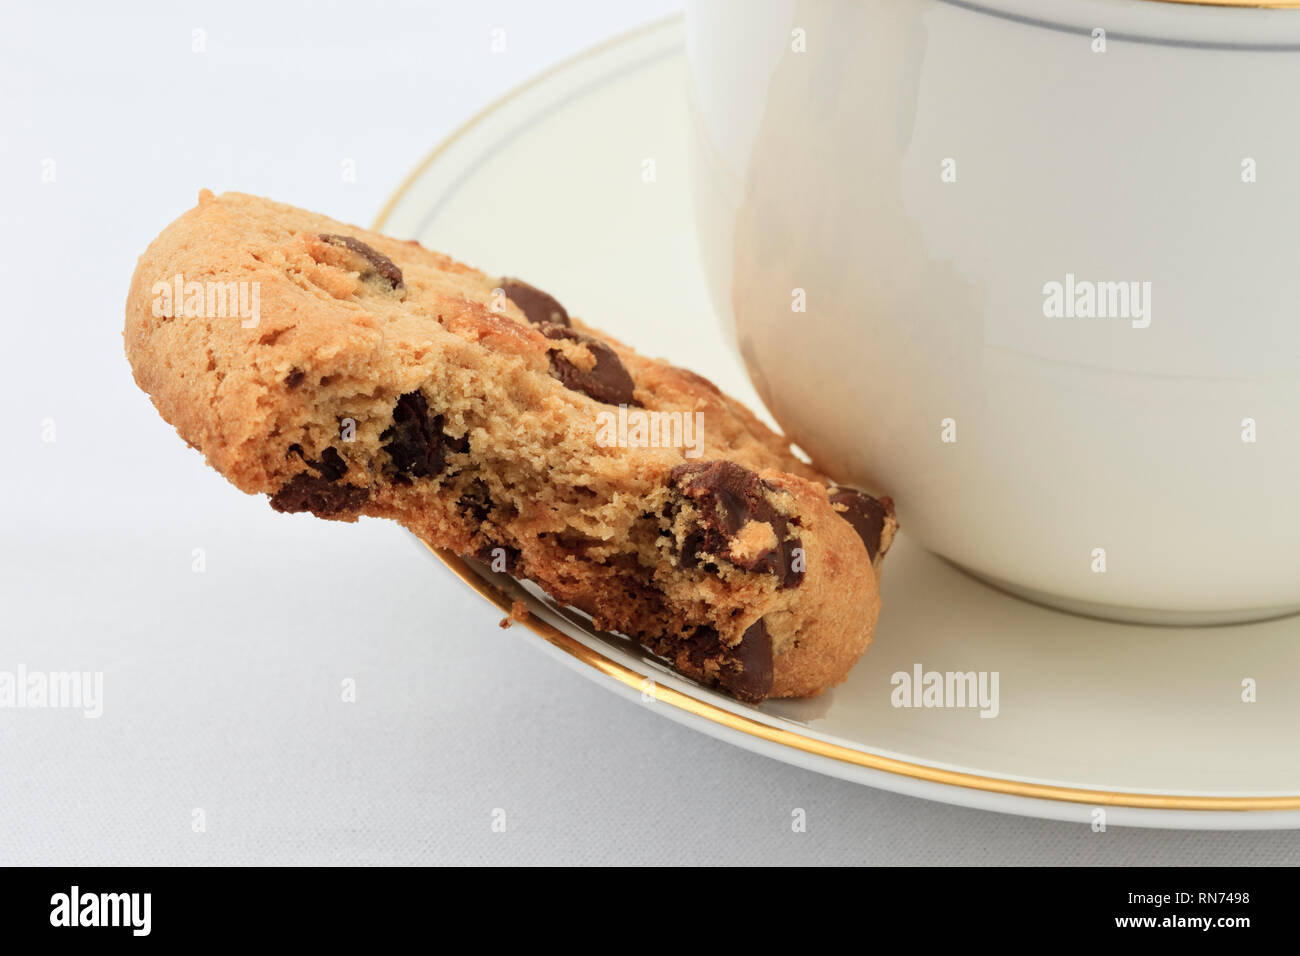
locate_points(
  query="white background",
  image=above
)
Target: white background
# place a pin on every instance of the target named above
(222, 689)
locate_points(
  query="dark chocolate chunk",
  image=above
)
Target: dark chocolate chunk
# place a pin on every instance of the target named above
(727, 497)
(753, 681)
(475, 503)
(331, 466)
(745, 669)
(377, 261)
(415, 441)
(321, 496)
(320, 493)
(607, 381)
(294, 378)
(865, 513)
(537, 307)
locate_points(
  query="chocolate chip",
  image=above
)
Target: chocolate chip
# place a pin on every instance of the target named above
(331, 466)
(475, 503)
(753, 681)
(606, 381)
(319, 495)
(865, 513)
(745, 669)
(728, 496)
(415, 441)
(378, 262)
(537, 307)
(294, 378)
(703, 644)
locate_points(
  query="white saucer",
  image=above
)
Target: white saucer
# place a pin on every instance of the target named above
(552, 184)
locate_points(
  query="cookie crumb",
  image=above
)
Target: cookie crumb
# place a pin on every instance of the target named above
(518, 612)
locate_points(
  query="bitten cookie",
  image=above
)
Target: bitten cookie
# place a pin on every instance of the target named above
(346, 373)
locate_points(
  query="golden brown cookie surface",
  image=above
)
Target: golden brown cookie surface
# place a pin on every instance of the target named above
(347, 373)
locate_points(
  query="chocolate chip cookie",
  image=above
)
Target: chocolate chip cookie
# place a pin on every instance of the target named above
(346, 373)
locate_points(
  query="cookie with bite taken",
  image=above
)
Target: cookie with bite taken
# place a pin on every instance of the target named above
(366, 375)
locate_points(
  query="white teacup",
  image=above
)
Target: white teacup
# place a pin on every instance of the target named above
(1048, 259)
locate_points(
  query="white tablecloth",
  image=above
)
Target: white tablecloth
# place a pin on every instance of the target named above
(224, 736)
